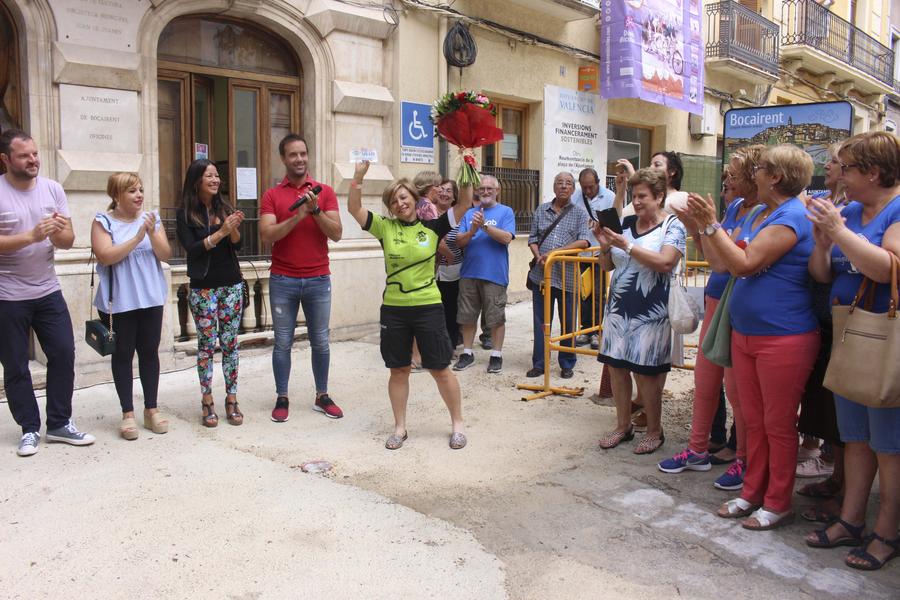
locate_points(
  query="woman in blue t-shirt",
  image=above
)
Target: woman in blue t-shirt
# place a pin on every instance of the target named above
(855, 243)
(130, 244)
(775, 336)
(708, 376)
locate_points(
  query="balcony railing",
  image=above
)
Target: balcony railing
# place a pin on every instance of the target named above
(520, 189)
(807, 23)
(736, 32)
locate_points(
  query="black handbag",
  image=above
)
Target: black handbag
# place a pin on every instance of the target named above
(96, 334)
(528, 283)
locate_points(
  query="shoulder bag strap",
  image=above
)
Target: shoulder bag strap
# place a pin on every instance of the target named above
(112, 271)
(555, 222)
(676, 271)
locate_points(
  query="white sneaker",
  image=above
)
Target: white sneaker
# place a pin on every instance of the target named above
(815, 467)
(28, 445)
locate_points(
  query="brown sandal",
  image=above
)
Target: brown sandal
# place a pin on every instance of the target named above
(209, 418)
(234, 415)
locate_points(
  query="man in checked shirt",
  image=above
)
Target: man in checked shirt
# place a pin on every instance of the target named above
(571, 231)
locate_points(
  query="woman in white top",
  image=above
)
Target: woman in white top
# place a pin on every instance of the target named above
(130, 245)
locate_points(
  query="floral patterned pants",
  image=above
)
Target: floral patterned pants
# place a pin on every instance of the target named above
(217, 316)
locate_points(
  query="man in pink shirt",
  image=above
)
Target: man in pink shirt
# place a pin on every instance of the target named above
(300, 274)
(34, 220)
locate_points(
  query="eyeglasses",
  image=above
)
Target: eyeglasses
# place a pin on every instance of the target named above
(757, 168)
(485, 190)
(845, 167)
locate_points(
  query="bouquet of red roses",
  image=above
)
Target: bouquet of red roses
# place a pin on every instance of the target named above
(466, 120)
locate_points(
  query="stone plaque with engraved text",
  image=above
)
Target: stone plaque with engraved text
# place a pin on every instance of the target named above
(98, 119)
(111, 24)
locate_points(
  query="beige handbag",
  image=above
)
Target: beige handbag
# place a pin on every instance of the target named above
(865, 353)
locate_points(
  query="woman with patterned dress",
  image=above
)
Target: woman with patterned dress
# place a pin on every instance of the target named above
(637, 337)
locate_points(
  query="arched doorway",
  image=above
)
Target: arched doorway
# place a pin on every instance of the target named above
(227, 91)
(10, 68)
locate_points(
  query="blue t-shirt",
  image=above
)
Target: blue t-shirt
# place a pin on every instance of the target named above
(486, 258)
(138, 279)
(846, 278)
(716, 282)
(777, 300)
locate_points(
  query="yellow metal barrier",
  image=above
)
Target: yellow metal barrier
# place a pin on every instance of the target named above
(555, 343)
(695, 274)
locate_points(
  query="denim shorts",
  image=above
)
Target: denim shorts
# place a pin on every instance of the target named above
(880, 427)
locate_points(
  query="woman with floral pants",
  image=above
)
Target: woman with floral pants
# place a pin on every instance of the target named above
(208, 228)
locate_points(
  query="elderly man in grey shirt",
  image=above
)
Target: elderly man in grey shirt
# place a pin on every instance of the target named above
(557, 225)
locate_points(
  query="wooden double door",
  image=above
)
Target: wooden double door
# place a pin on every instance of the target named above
(233, 118)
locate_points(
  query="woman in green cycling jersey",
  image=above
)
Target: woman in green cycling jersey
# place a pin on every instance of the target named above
(411, 307)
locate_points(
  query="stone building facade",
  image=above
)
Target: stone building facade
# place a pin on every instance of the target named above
(148, 85)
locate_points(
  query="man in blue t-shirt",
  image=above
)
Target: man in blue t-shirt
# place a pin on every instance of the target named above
(484, 233)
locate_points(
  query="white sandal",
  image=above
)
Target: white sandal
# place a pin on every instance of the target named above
(767, 519)
(735, 508)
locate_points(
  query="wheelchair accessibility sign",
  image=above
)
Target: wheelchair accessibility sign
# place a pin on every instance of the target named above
(416, 133)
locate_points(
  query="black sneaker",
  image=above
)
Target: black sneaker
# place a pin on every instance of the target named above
(495, 365)
(534, 372)
(325, 405)
(486, 342)
(567, 373)
(465, 361)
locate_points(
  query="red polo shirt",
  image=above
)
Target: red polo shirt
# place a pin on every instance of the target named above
(304, 251)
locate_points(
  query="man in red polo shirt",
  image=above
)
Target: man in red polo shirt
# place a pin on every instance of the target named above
(300, 274)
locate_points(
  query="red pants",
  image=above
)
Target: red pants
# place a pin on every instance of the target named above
(707, 383)
(771, 373)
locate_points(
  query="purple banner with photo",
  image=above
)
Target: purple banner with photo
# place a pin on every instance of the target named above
(653, 50)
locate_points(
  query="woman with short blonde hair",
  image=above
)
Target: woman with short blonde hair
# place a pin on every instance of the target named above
(130, 245)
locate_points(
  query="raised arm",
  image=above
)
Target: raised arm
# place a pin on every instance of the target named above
(464, 203)
(624, 172)
(354, 198)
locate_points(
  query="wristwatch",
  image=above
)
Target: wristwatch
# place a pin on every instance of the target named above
(629, 248)
(315, 210)
(711, 229)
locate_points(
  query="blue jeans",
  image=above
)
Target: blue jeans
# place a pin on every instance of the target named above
(286, 296)
(566, 359)
(49, 318)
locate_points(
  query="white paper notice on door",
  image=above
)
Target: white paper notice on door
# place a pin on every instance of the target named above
(246, 183)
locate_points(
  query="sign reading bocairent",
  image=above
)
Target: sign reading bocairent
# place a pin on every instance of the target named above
(653, 50)
(574, 134)
(416, 133)
(812, 127)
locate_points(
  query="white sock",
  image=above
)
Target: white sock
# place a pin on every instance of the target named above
(496, 353)
(467, 351)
